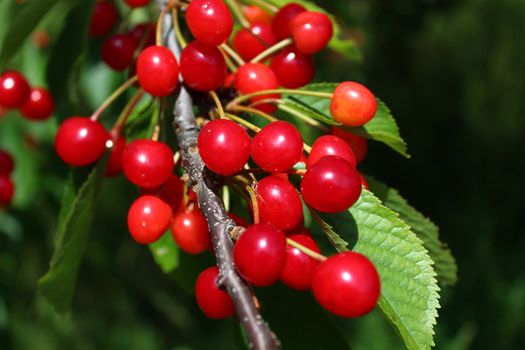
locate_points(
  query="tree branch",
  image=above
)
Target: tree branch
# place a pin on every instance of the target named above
(206, 184)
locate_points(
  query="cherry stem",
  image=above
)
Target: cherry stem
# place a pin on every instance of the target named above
(245, 97)
(231, 52)
(272, 49)
(239, 108)
(255, 206)
(160, 20)
(243, 122)
(126, 112)
(119, 91)
(237, 11)
(218, 103)
(176, 25)
(306, 251)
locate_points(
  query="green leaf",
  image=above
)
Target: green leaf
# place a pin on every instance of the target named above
(382, 127)
(76, 215)
(409, 290)
(444, 263)
(142, 120)
(165, 253)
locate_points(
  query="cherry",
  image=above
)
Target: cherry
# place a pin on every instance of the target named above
(147, 163)
(158, 71)
(144, 33)
(14, 89)
(80, 141)
(283, 18)
(202, 67)
(190, 230)
(7, 190)
(293, 69)
(358, 144)
(148, 219)
(103, 18)
(170, 192)
(364, 183)
(299, 268)
(330, 145)
(311, 31)
(331, 185)
(210, 21)
(353, 104)
(117, 51)
(250, 43)
(255, 14)
(224, 146)
(238, 220)
(7, 163)
(137, 3)
(213, 301)
(39, 105)
(279, 203)
(260, 254)
(115, 158)
(254, 77)
(347, 284)
(277, 147)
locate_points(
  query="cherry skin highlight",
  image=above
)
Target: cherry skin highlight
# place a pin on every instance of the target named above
(293, 68)
(347, 284)
(277, 147)
(117, 51)
(250, 43)
(7, 163)
(137, 3)
(147, 163)
(224, 146)
(213, 301)
(210, 21)
(39, 105)
(7, 190)
(283, 18)
(115, 158)
(148, 219)
(254, 77)
(14, 89)
(80, 141)
(299, 268)
(331, 185)
(103, 18)
(330, 145)
(311, 31)
(202, 67)
(158, 71)
(353, 104)
(358, 143)
(190, 230)
(260, 254)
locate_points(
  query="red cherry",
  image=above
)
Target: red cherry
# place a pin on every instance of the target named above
(137, 3)
(148, 219)
(144, 33)
(254, 77)
(260, 254)
(103, 18)
(238, 220)
(7, 190)
(358, 144)
(115, 158)
(202, 67)
(80, 141)
(158, 71)
(293, 69)
(224, 146)
(7, 163)
(190, 230)
(311, 31)
(117, 51)
(213, 301)
(171, 192)
(299, 268)
(250, 43)
(283, 18)
(363, 181)
(277, 147)
(330, 145)
(14, 89)
(331, 185)
(347, 284)
(353, 104)
(255, 14)
(39, 105)
(210, 21)
(147, 163)
(279, 203)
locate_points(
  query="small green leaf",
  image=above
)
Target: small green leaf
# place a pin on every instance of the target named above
(444, 262)
(142, 120)
(294, 106)
(166, 253)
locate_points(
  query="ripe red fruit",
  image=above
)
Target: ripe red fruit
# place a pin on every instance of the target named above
(279, 203)
(7, 190)
(213, 301)
(170, 192)
(190, 230)
(254, 77)
(80, 141)
(299, 268)
(224, 146)
(103, 18)
(260, 254)
(292, 68)
(158, 71)
(137, 3)
(353, 104)
(144, 33)
(250, 43)
(7, 163)
(277, 147)
(202, 67)
(39, 105)
(311, 31)
(358, 144)
(210, 21)
(148, 218)
(347, 284)
(117, 51)
(331, 185)
(255, 14)
(283, 18)
(330, 145)
(363, 181)
(115, 158)
(14, 89)
(238, 220)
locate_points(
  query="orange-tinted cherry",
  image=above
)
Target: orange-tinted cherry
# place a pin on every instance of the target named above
(299, 268)
(39, 105)
(117, 51)
(14, 89)
(210, 21)
(255, 14)
(311, 31)
(254, 77)
(330, 145)
(158, 71)
(283, 18)
(190, 230)
(202, 67)
(148, 218)
(213, 301)
(293, 68)
(353, 104)
(103, 18)
(250, 43)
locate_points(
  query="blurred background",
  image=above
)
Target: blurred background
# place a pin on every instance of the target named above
(453, 74)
